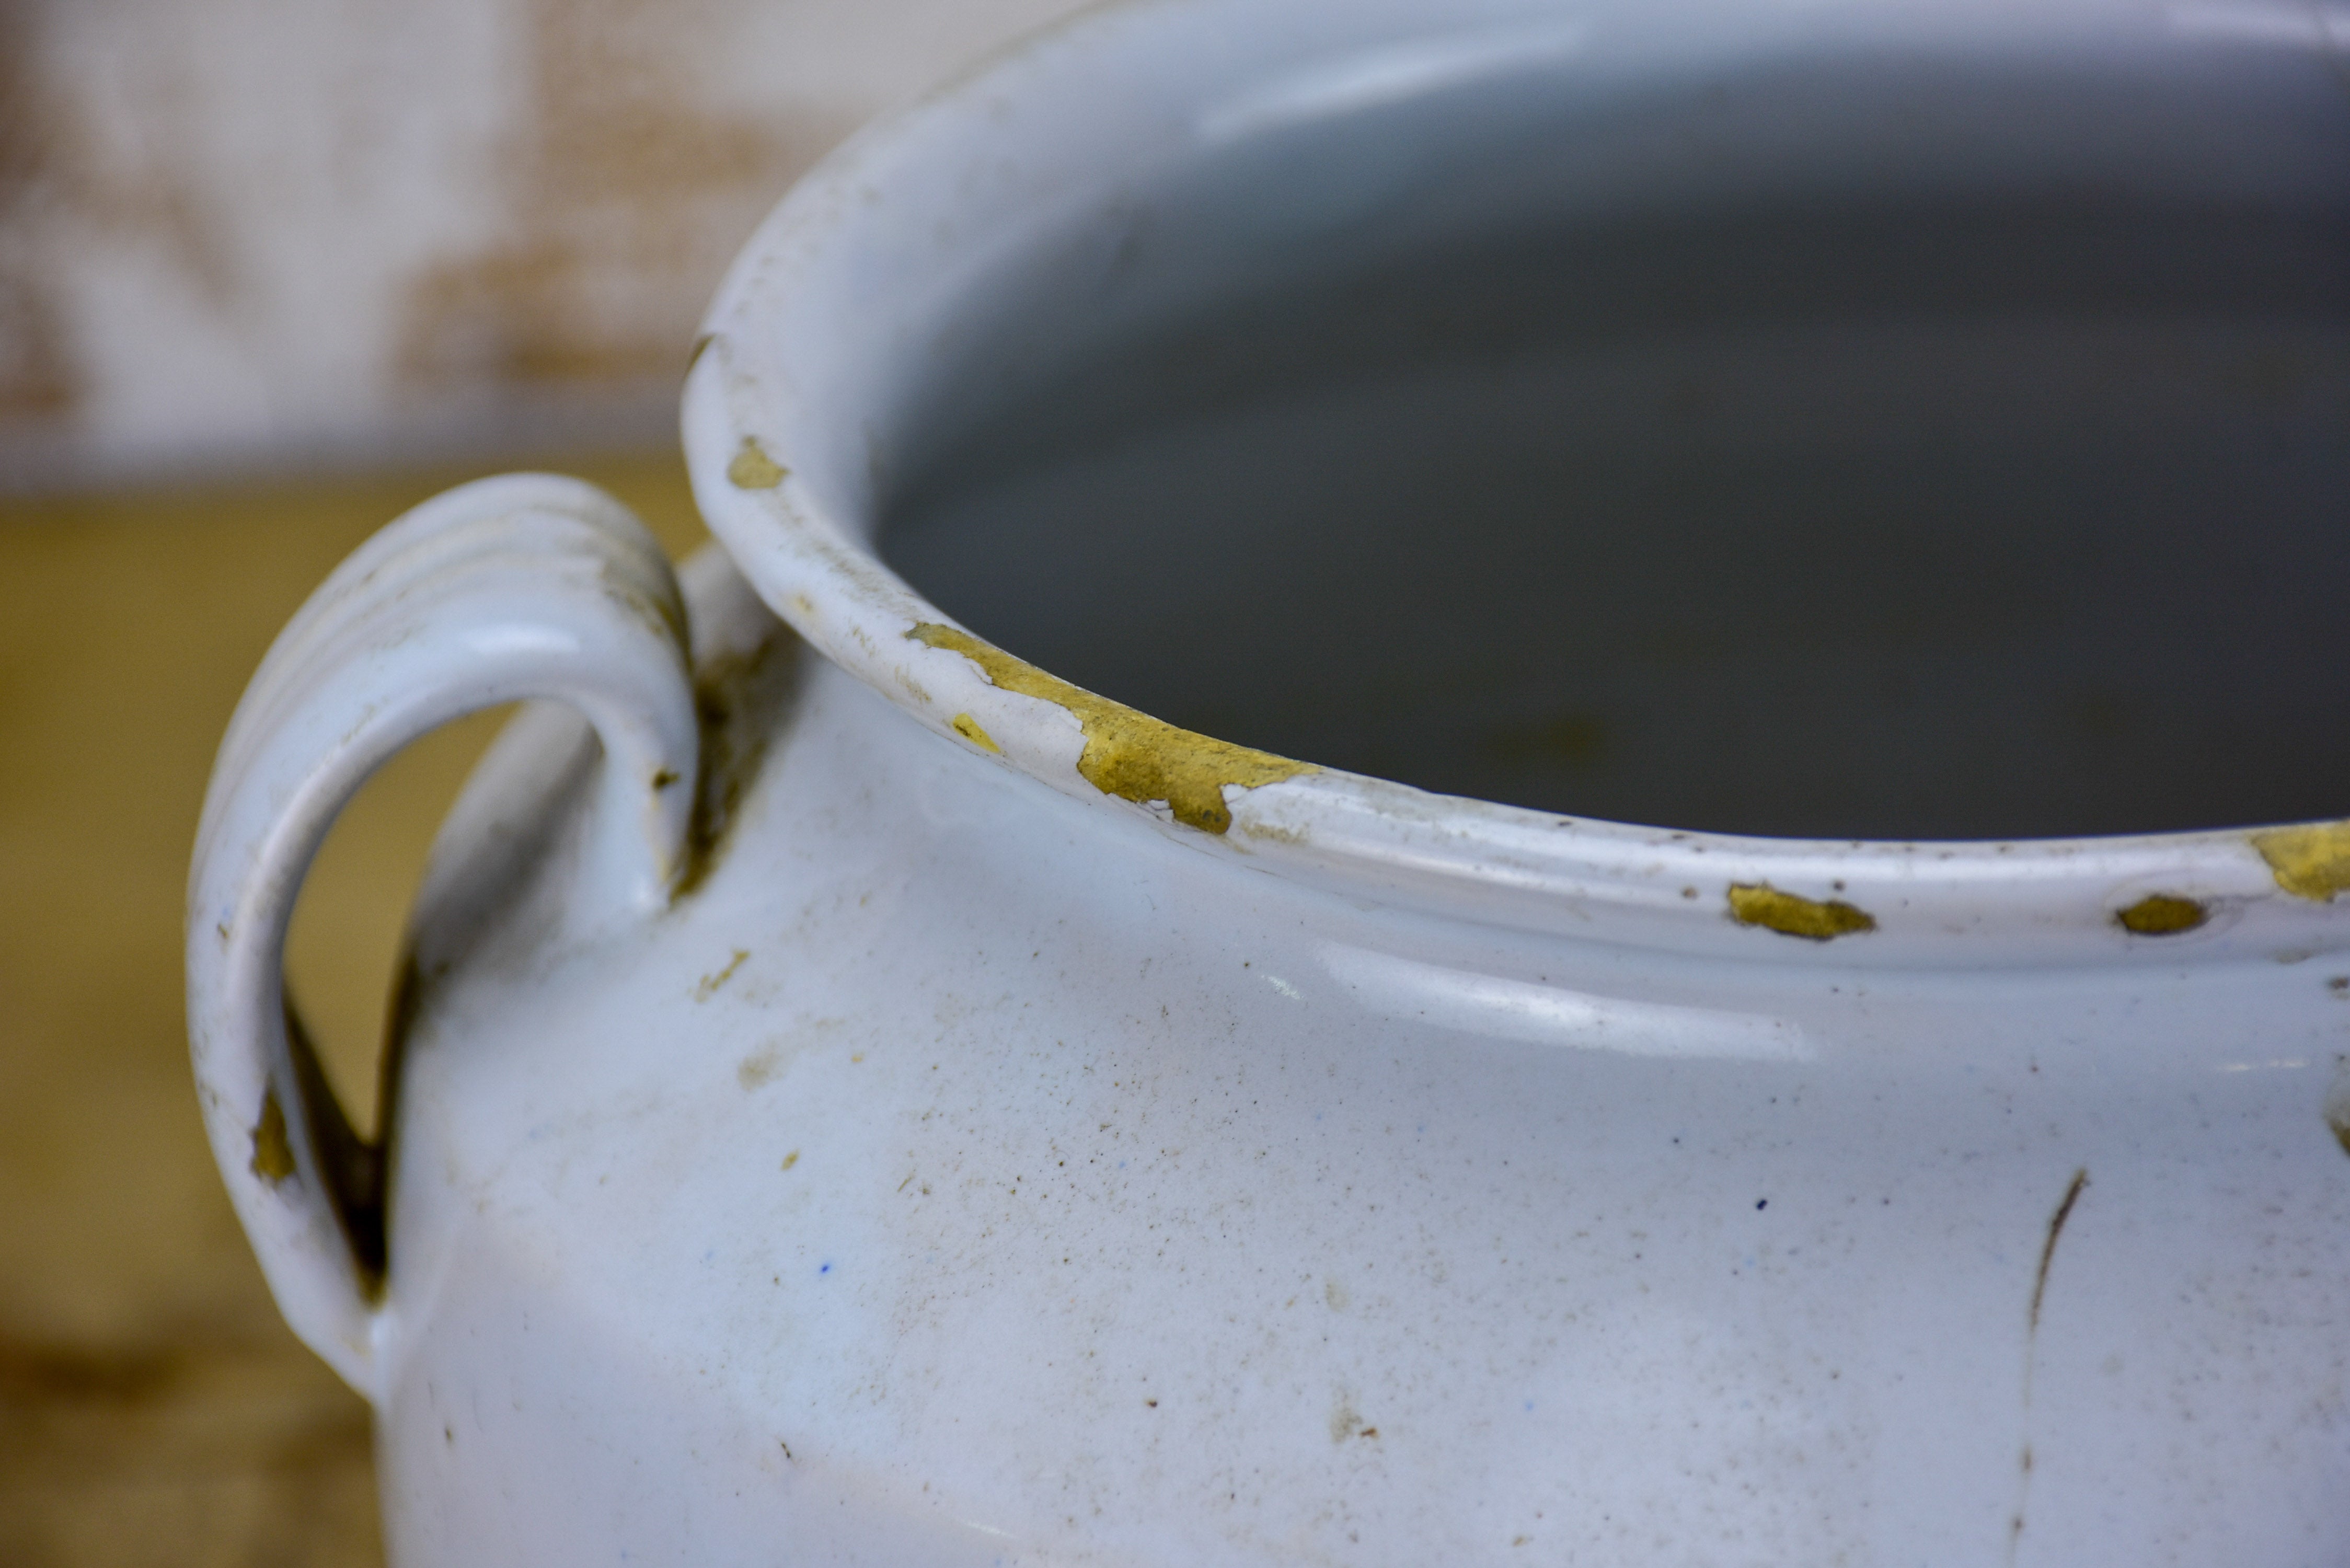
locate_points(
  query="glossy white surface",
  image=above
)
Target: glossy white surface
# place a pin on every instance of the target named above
(968, 1165)
(959, 1178)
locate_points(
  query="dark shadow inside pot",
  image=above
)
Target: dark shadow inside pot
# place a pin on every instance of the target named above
(1950, 447)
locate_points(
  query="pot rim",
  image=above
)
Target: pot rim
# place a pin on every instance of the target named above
(774, 435)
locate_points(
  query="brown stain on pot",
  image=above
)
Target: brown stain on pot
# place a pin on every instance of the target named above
(1129, 753)
(756, 1071)
(2309, 861)
(710, 984)
(1792, 915)
(273, 1152)
(2056, 1220)
(753, 469)
(2048, 1247)
(968, 728)
(2162, 915)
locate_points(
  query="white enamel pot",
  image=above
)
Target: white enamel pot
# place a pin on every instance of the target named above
(858, 1097)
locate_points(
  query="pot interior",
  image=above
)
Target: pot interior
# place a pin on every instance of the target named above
(1949, 444)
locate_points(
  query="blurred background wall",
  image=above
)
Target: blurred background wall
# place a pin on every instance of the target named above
(240, 232)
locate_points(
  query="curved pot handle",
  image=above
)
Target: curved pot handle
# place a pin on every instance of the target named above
(523, 586)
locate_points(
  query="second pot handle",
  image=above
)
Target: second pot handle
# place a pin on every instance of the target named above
(528, 586)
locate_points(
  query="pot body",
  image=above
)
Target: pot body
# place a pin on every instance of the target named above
(870, 1101)
(956, 1177)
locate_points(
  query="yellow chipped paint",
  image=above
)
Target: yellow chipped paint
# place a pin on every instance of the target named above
(1791, 915)
(753, 469)
(1130, 754)
(968, 728)
(2162, 915)
(273, 1154)
(2312, 861)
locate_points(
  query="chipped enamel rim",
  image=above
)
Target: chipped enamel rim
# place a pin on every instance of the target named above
(801, 341)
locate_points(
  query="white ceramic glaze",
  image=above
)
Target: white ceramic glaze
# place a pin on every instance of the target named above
(944, 1158)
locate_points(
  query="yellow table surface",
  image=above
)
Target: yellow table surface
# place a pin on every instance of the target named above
(154, 1409)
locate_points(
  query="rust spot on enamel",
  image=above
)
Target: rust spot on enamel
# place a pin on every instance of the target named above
(2161, 915)
(273, 1153)
(2310, 861)
(1128, 753)
(968, 728)
(753, 469)
(1792, 915)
